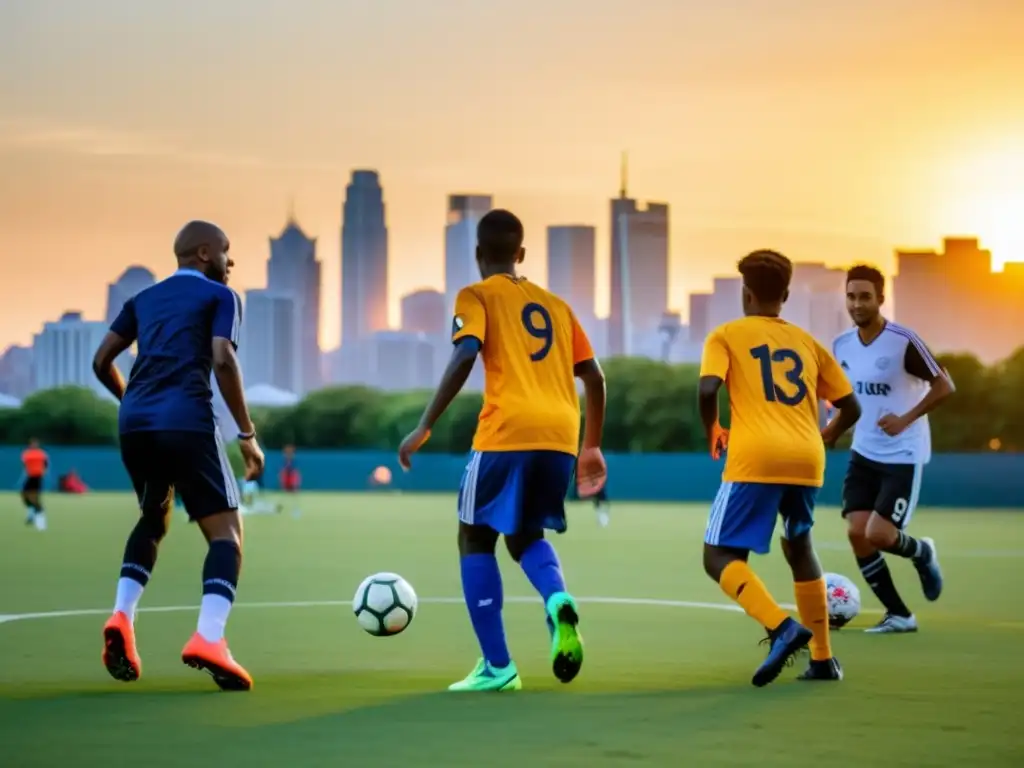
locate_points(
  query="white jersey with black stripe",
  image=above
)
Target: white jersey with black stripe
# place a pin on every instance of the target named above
(889, 376)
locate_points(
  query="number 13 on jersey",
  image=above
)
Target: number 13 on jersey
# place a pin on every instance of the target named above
(791, 368)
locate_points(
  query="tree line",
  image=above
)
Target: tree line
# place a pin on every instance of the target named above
(652, 408)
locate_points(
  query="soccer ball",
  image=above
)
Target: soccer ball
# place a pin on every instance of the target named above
(843, 600)
(384, 604)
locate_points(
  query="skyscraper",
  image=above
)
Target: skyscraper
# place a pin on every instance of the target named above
(132, 281)
(16, 372)
(954, 300)
(639, 271)
(571, 266)
(460, 269)
(62, 353)
(700, 308)
(364, 259)
(269, 352)
(817, 301)
(423, 312)
(293, 271)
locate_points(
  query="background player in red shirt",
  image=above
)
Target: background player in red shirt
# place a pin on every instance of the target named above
(35, 463)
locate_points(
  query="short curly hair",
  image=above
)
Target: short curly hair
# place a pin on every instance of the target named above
(869, 274)
(766, 274)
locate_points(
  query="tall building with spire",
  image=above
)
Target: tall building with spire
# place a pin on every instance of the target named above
(293, 273)
(364, 259)
(639, 271)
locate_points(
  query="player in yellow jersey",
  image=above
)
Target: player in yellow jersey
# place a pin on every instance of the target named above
(525, 448)
(775, 374)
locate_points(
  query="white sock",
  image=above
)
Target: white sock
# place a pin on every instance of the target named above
(213, 617)
(40, 520)
(129, 592)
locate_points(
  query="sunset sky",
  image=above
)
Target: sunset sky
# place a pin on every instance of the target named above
(833, 131)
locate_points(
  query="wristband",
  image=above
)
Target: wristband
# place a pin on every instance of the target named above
(247, 435)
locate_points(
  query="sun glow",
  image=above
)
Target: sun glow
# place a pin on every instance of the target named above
(999, 222)
(989, 195)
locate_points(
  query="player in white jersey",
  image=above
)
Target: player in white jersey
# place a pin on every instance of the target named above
(898, 382)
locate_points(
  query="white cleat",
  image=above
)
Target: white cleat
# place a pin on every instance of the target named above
(894, 625)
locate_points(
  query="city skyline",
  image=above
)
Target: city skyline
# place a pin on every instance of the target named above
(293, 251)
(860, 134)
(279, 342)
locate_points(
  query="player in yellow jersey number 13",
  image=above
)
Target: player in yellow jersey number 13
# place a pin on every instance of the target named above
(524, 449)
(775, 373)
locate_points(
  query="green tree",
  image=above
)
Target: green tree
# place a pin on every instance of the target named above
(66, 416)
(235, 457)
(400, 415)
(652, 407)
(965, 421)
(1007, 404)
(275, 426)
(340, 417)
(454, 431)
(10, 425)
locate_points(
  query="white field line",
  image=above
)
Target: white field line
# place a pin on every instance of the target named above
(633, 601)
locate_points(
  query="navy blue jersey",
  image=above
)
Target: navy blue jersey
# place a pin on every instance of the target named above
(174, 323)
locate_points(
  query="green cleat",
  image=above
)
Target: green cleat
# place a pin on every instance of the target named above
(566, 640)
(484, 677)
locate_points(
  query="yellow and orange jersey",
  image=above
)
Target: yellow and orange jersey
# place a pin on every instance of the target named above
(775, 374)
(35, 462)
(531, 342)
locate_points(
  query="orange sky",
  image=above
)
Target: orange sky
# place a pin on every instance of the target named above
(832, 131)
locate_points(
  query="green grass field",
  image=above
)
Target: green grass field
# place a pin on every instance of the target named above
(663, 684)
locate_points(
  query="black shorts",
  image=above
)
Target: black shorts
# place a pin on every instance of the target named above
(193, 464)
(32, 485)
(891, 490)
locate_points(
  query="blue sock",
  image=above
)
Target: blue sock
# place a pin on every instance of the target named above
(481, 585)
(540, 564)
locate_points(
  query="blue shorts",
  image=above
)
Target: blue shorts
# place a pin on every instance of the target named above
(516, 491)
(195, 465)
(743, 514)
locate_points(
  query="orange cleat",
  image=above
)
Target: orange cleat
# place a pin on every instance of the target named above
(119, 654)
(215, 658)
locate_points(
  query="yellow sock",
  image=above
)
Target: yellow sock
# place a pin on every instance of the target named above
(740, 583)
(812, 603)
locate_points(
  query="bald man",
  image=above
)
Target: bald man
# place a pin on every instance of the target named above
(187, 328)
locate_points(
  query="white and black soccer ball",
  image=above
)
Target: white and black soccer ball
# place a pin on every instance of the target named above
(843, 600)
(384, 604)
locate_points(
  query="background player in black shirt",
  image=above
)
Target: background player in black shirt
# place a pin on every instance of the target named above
(187, 328)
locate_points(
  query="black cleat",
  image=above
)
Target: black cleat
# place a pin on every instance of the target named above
(927, 566)
(785, 641)
(829, 669)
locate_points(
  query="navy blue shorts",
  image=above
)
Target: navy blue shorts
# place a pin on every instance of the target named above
(193, 464)
(516, 491)
(743, 514)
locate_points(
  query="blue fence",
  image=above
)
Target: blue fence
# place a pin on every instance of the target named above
(953, 480)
